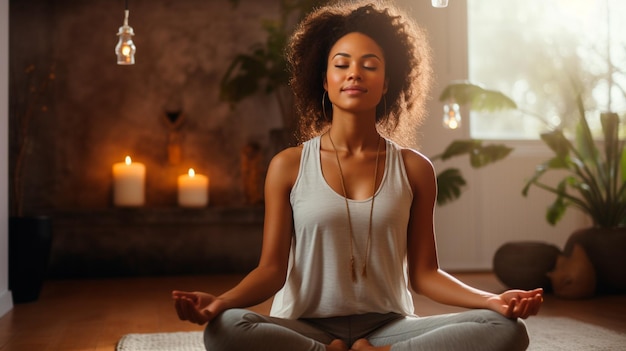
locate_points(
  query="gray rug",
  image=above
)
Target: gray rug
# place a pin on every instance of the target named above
(546, 334)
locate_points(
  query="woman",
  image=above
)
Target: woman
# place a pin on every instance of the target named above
(348, 230)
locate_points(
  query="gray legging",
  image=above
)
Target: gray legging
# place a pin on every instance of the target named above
(483, 330)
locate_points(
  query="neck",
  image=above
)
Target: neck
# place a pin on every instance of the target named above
(354, 133)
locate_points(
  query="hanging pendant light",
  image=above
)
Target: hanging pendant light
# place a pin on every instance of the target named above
(451, 115)
(440, 3)
(125, 48)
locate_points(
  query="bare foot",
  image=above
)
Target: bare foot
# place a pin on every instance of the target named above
(337, 345)
(364, 345)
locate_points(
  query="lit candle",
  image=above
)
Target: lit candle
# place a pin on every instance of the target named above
(193, 189)
(129, 183)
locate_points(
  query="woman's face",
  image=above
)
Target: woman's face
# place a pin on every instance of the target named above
(355, 78)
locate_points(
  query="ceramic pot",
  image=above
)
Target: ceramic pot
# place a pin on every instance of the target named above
(30, 242)
(606, 249)
(525, 264)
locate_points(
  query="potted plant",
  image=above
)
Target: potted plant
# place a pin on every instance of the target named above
(264, 68)
(30, 235)
(594, 181)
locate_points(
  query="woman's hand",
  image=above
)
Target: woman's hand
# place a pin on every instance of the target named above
(197, 307)
(517, 303)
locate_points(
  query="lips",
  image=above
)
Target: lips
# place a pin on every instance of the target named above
(354, 89)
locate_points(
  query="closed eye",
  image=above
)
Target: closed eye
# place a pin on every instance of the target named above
(364, 67)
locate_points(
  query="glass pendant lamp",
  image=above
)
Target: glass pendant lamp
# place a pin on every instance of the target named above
(451, 115)
(125, 48)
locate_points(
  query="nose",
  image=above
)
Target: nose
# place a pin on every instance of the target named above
(354, 73)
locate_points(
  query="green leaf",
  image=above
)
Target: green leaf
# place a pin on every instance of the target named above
(459, 147)
(480, 155)
(610, 130)
(478, 98)
(558, 163)
(484, 155)
(557, 142)
(449, 183)
(587, 150)
(556, 211)
(539, 171)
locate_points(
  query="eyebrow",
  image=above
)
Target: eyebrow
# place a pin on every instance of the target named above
(342, 54)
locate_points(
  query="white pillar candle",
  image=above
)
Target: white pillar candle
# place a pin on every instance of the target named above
(193, 189)
(129, 183)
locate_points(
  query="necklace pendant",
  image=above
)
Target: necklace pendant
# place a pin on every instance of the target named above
(345, 197)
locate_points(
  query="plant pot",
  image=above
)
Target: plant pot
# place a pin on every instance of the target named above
(525, 264)
(606, 248)
(30, 242)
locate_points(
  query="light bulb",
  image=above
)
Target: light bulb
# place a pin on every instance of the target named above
(451, 116)
(125, 48)
(440, 3)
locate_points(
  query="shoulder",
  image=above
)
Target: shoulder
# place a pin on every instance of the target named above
(415, 161)
(285, 165)
(288, 157)
(419, 169)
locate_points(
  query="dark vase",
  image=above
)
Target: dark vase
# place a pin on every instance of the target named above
(606, 248)
(30, 242)
(525, 264)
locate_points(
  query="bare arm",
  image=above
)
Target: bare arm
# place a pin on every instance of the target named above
(425, 275)
(270, 274)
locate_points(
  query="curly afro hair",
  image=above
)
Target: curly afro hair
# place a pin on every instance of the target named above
(407, 56)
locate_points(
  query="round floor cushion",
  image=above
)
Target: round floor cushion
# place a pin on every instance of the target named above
(524, 265)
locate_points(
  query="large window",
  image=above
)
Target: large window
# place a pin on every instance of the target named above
(540, 53)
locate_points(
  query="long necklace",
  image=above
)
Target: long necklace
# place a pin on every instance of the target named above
(369, 229)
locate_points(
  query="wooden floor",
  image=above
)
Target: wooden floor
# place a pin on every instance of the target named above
(89, 315)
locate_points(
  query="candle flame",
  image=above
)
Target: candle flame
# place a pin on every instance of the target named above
(128, 160)
(191, 172)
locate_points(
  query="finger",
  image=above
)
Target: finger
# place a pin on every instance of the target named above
(178, 293)
(533, 306)
(188, 309)
(519, 305)
(511, 308)
(185, 294)
(537, 302)
(524, 310)
(199, 316)
(177, 307)
(181, 305)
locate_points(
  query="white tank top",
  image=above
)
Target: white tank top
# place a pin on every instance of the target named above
(319, 282)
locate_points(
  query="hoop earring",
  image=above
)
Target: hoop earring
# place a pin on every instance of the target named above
(324, 105)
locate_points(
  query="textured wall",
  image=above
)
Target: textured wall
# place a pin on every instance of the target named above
(98, 112)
